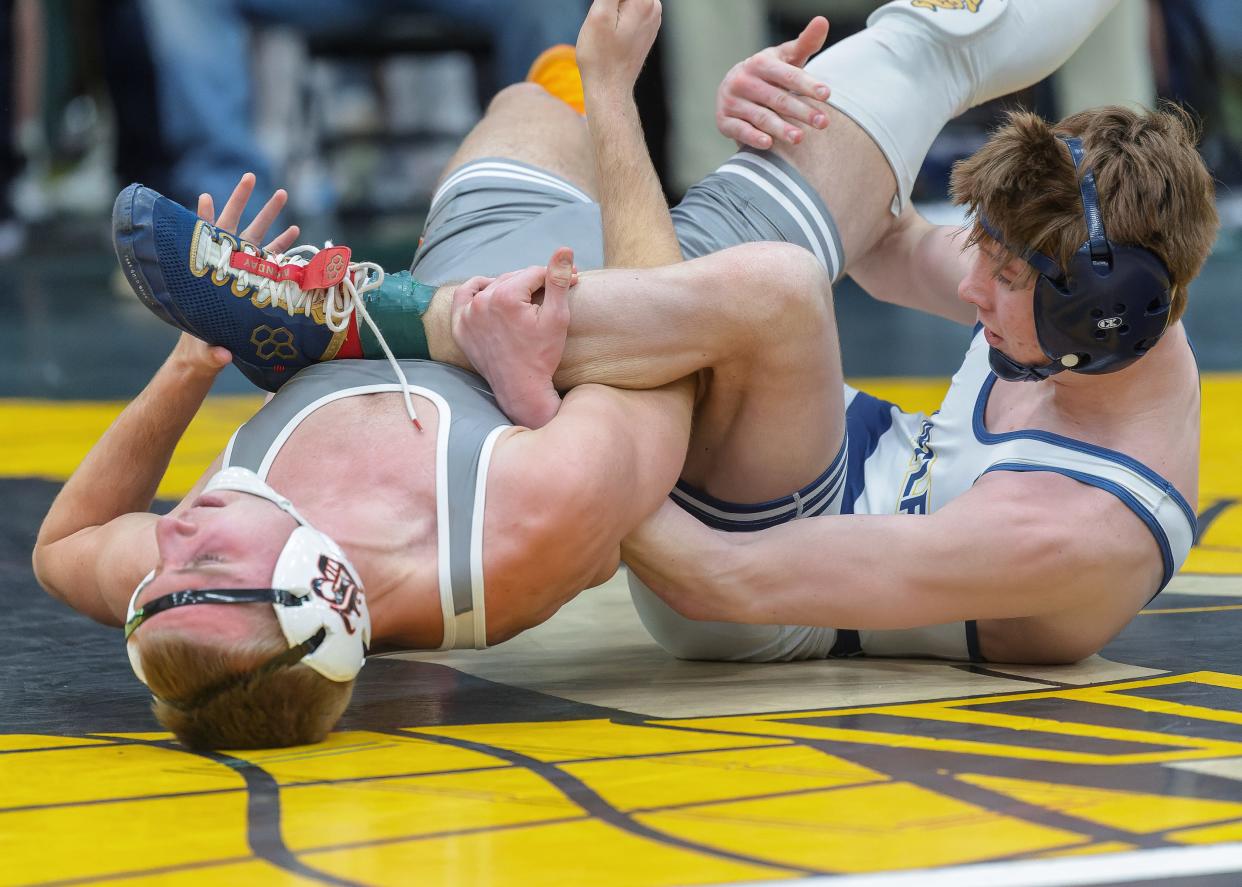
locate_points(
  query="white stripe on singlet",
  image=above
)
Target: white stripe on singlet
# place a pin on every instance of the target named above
(812, 211)
(491, 169)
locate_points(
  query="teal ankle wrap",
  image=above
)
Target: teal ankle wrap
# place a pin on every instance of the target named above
(397, 307)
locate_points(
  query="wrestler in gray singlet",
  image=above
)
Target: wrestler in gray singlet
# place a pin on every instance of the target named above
(470, 422)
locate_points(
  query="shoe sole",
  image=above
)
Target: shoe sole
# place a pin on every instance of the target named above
(135, 250)
(137, 201)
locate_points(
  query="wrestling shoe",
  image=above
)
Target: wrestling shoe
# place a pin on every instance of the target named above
(556, 70)
(276, 313)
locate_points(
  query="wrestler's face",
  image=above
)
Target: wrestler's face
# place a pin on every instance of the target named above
(1004, 301)
(225, 539)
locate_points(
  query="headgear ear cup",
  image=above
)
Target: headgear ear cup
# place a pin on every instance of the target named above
(1107, 308)
(1107, 321)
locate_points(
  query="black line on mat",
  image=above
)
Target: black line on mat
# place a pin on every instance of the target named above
(582, 794)
(145, 873)
(263, 821)
(1210, 514)
(998, 803)
(452, 833)
(767, 796)
(262, 815)
(1048, 683)
(128, 799)
(46, 748)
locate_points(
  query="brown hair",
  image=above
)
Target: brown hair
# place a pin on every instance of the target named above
(1155, 191)
(293, 705)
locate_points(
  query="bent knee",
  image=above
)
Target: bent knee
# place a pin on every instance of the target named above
(806, 297)
(784, 290)
(526, 98)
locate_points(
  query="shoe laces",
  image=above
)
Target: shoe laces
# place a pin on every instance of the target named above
(339, 301)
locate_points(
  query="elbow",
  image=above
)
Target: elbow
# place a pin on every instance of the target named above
(1064, 652)
(41, 563)
(38, 563)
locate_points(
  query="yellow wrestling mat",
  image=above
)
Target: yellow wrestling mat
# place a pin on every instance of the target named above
(580, 753)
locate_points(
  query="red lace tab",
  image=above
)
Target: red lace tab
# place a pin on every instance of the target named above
(327, 268)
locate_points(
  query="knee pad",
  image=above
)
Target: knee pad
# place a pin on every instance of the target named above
(920, 63)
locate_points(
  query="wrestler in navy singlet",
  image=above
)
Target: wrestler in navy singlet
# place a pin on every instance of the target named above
(898, 462)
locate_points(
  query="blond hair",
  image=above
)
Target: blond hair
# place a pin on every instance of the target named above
(1154, 189)
(212, 697)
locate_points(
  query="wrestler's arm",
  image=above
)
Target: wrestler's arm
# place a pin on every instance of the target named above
(629, 329)
(96, 542)
(917, 265)
(1015, 545)
(612, 46)
(560, 498)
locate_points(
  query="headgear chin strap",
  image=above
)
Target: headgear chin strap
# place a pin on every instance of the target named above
(1102, 312)
(316, 593)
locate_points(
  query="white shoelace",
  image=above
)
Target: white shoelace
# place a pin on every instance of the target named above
(288, 295)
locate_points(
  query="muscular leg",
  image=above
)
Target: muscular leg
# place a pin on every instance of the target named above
(769, 419)
(849, 172)
(523, 122)
(898, 82)
(755, 321)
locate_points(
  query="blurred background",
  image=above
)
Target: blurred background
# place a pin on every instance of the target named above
(355, 106)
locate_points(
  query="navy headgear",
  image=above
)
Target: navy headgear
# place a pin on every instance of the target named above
(1102, 312)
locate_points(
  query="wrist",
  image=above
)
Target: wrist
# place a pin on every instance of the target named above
(185, 370)
(605, 94)
(192, 361)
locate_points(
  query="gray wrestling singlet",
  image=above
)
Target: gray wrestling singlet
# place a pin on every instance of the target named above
(470, 423)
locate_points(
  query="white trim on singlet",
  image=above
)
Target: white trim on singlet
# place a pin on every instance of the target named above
(228, 449)
(478, 598)
(812, 210)
(510, 166)
(505, 171)
(785, 203)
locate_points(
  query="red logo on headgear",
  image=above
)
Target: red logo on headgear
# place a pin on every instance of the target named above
(339, 589)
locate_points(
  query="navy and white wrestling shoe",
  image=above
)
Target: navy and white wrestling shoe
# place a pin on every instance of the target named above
(275, 313)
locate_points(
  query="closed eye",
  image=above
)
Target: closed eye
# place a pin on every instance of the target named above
(202, 560)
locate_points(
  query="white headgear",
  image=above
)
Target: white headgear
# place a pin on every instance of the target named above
(315, 591)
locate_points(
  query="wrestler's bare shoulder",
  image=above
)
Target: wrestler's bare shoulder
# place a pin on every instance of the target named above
(1114, 565)
(541, 545)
